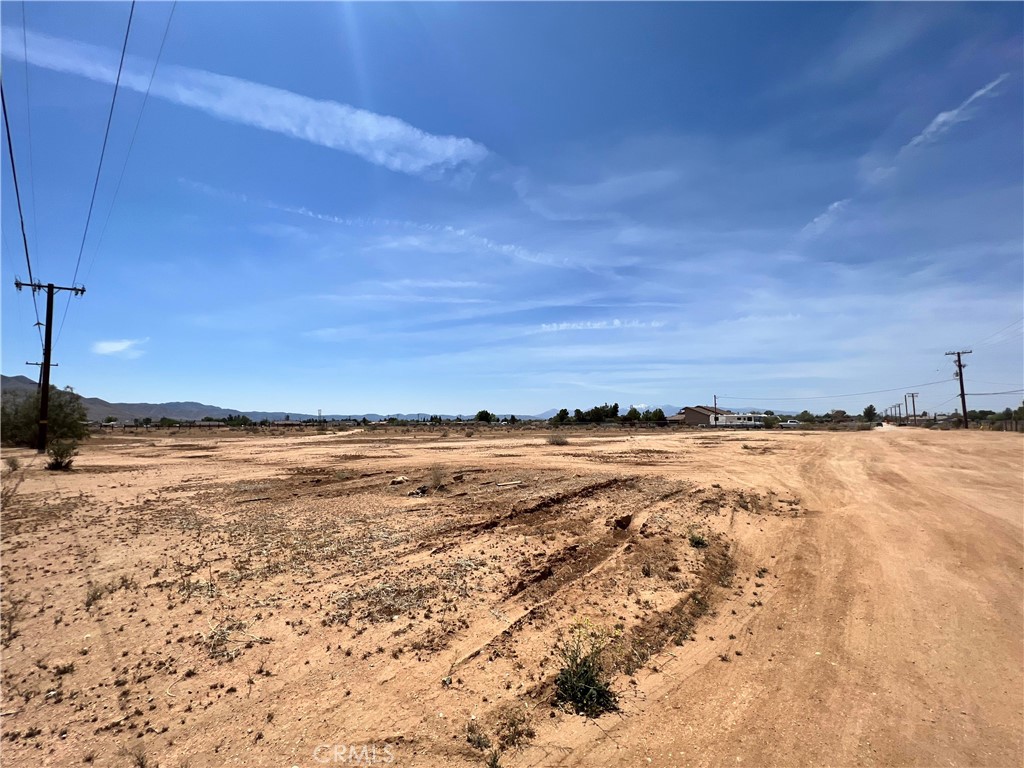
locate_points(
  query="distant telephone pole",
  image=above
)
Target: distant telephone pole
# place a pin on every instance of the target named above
(960, 375)
(913, 402)
(44, 377)
(716, 410)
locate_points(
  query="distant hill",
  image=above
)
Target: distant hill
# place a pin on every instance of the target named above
(100, 410)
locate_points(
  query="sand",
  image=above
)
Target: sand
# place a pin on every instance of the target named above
(766, 599)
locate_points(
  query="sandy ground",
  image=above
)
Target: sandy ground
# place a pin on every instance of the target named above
(234, 599)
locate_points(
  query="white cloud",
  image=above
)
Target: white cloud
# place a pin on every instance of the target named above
(379, 139)
(599, 325)
(940, 125)
(824, 220)
(128, 348)
(946, 120)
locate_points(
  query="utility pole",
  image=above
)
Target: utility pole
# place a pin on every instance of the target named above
(906, 407)
(913, 403)
(716, 410)
(899, 414)
(44, 377)
(960, 375)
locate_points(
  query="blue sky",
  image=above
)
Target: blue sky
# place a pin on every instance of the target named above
(446, 207)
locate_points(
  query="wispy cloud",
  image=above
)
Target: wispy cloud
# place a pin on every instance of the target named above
(594, 201)
(872, 39)
(938, 127)
(409, 283)
(128, 348)
(946, 120)
(599, 325)
(380, 139)
(426, 236)
(824, 220)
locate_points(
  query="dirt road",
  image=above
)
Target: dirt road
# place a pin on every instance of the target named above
(270, 600)
(894, 638)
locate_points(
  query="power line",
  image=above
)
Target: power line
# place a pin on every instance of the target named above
(828, 397)
(28, 118)
(1007, 392)
(21, 217)
(131, 144)
(99, 167)
(1006, 328)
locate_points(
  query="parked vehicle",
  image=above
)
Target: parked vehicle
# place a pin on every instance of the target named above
(791, 424)
(741, 420)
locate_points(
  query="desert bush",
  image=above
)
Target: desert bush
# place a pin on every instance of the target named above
(62, 455)
(583, 681)
(436, 476)
(558, 440)
(697, 541)
(476, 737)
(12, 463)
(93, 593)
(469, 433)
(513, 729)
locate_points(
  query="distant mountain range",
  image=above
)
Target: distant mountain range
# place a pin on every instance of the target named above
(100, 410)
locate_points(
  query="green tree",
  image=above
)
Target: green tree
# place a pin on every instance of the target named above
(19, 417)
(870, 414)
(805, 415)
(485, 416)
(632, 414)
(657, 416)
(560, 418)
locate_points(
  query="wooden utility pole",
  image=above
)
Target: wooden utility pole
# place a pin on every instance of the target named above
(913, 403)
(44, 377)
(716, 410)
(960, 375)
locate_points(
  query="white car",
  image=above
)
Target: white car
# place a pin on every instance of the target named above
(791, 424)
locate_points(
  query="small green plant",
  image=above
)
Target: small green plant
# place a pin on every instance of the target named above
(93, 594)
(476, 737)
(697, 540)
(62, 455)
(513, 729)
(136, 756)
(583, 680)
(493, 759)
(558, 440)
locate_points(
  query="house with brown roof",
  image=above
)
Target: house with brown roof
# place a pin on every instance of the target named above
(697, 416)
